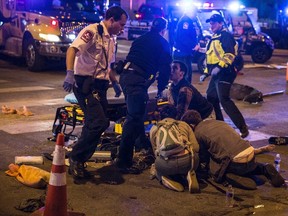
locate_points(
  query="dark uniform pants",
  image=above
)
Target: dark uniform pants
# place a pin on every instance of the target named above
(219, 92)
(95, 121)
(136, 98)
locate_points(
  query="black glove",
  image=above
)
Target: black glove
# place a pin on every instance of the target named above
(116, 88)
(69, 81)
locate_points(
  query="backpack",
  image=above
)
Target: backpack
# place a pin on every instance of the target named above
(169, 140)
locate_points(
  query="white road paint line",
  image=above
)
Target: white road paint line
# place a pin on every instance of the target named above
(27, 127)
(256, 135)
(3, 81)
(31, 103)
(21, 89)
(276, 66)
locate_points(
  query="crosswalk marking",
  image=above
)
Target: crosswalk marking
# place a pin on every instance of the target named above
(46, 125)
(32, 103)
(256, 135)
(276, 66)
(27, 127)
(21, 89)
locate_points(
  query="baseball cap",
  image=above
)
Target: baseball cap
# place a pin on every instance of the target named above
(215, 18)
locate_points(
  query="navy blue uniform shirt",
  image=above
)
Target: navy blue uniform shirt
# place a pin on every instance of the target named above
(152, 53)
(186, 37)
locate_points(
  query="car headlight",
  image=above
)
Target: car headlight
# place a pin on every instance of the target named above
(50, 37)
(71, 36)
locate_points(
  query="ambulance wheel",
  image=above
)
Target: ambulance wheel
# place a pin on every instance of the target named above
(33, 59)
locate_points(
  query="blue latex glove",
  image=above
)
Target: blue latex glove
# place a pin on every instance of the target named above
(116, 88)
(203, 77)
(215, 71)
(69, 81)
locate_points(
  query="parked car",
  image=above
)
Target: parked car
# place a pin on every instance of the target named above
(246, 31)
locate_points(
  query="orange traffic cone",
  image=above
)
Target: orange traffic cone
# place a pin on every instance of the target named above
(56, 198)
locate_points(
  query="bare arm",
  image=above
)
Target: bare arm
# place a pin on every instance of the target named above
(70, 57)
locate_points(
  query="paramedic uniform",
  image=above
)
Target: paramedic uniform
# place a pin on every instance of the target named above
(92, 64)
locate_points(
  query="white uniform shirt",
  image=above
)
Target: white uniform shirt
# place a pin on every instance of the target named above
(90, 59)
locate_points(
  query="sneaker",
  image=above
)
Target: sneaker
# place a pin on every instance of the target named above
(273, 175)
(244, 132)
(192, 182)
(241, 182)
(78, 170)
(172, 185)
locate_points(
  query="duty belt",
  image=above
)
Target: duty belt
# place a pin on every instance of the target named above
(129, 66)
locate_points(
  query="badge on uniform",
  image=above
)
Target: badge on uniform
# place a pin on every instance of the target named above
(87, 36)
(185, 25)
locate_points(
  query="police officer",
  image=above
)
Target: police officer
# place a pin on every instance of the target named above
(183, 95)
(88, 60)
(185, 41)
(220, 54)
(150, 53)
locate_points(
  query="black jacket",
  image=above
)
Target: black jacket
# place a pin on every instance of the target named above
(152, 53)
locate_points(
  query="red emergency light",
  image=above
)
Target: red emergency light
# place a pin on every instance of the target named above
(54, 22)
(138, 16)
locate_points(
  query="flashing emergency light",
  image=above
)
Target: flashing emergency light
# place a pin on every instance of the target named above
(138, 16)
(54, 22)
(235, 6)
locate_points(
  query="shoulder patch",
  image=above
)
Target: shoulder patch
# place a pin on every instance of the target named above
(185, 25)
(87, 36)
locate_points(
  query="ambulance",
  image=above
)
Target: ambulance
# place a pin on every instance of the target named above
(39, 31)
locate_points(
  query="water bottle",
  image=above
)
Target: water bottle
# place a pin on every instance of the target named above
(230, 196)
(277, 162)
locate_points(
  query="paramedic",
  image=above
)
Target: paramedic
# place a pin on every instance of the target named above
(88, 60)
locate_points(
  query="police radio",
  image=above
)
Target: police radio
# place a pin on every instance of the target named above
(100, 30)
